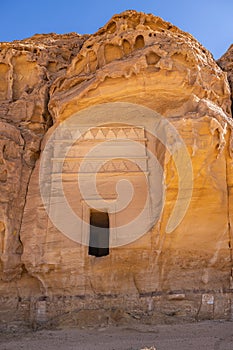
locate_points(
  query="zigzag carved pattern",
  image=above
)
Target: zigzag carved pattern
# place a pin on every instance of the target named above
(111, 166)
(103, 133)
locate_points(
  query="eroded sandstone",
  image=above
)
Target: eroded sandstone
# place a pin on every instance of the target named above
(26, 72)
(134, 60)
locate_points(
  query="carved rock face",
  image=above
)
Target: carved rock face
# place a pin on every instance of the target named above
(135, 70)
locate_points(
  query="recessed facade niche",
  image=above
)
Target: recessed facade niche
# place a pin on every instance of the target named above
(110, 168)
(99, 233)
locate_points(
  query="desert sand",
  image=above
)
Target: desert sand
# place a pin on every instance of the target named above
(208, 335)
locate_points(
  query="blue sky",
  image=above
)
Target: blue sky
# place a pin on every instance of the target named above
(210, 21)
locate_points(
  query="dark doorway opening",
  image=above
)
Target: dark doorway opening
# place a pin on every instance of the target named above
(99, 233)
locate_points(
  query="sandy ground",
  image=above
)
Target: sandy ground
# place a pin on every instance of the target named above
(197, 336)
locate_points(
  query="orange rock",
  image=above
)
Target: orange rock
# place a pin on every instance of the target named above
(139, 100)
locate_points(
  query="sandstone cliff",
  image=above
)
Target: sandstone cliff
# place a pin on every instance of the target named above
(27, 70)
(226, 63)
(134, 60)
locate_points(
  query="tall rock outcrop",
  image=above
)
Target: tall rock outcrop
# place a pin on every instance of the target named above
(27, 69)
(113, 86)
(226, 63)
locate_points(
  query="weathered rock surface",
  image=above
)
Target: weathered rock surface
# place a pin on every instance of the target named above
(226, 63)
(27, 69)
(134, 59)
